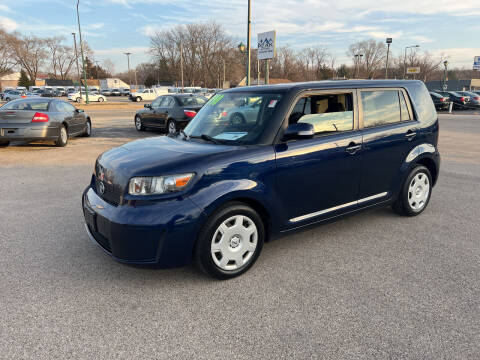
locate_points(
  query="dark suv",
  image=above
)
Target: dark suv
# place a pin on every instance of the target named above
(257, 162)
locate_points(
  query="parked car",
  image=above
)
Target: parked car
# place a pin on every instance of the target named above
(115, 92)
(441, 102)
(60, 91)
(474, 98)
(106, 92)
(125, 92)
(35, 119)
(48, 93)
(3, 95)
(459, 101)
(14, 95)
(145, 95)
(216, 192)
(91, 97)
(169, 113)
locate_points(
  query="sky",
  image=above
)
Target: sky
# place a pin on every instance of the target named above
(111, 27)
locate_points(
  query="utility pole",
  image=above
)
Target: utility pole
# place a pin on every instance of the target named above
(83, 59)
(78, 67)
(249, 50)
(389, 41)
(129, 73)
(357, 65)
(181, 63)
(136, 83)
(223, 85)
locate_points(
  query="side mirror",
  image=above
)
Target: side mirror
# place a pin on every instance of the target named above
(299, 131)
(79, 111)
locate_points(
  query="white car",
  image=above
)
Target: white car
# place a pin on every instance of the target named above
(147, 94)
(91, 97)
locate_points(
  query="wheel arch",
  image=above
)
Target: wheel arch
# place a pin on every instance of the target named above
(430, 165)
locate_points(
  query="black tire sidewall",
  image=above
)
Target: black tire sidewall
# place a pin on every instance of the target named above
(87, 134)
(168, 126)
(59, 142)
(141, 124)
(404, 195)
(203, 246)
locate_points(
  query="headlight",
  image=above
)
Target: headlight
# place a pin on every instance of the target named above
(158, 184)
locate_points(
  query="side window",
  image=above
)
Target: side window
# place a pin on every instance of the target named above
(380, 108)
(405, 116)
(327, 113)
(169, 102)
(157, 102)
(67, 107)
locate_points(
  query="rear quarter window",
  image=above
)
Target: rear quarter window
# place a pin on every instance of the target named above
(422, 103)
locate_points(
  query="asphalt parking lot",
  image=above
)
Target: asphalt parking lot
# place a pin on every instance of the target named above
(372, 286)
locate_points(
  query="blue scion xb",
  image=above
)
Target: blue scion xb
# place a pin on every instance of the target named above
(256, 162)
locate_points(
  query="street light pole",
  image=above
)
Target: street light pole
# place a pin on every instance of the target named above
(83, 59)
(78, 67)
(249, 51)
(445, 74)
(129, 73)
(405, 60)
(389, 41)
(181, 64)
(357, 67)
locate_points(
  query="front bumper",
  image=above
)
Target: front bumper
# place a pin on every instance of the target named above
(161, 233)
(28, 132)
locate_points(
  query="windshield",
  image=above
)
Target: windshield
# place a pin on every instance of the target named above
(234, 118)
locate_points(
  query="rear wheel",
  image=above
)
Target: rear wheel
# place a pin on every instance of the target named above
(138, 99)
(78, 99)
(138, 124)
(88, 129)
(62, 138)
(4, 144)
(101, 99)
(415, 193)
(230, 241)
(172, 127)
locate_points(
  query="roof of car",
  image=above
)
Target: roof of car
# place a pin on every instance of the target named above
(323, 85)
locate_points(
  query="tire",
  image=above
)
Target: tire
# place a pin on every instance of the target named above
(4, 144)
(138, 124)
(416, 192)
(88, 129)
(7, 99)
(101, 99)
(225, 256)
(138, 99)
(78, 100)
(171, 127)
(62, 138)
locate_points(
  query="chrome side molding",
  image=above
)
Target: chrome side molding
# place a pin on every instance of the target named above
(338, 207)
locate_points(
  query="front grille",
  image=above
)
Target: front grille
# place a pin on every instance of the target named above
(101, 240)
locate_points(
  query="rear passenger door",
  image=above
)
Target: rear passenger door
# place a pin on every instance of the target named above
(389, 133)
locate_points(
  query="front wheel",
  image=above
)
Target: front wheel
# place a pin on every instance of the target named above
(415, 193)
(62, 138)
(88, 129)
(78, 100)
(138, 99)
(138, 124)
(101, 99)
(230, 242)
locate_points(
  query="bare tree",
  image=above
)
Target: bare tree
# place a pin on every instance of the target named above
(108, 66)
(29, 52)
(6, 59)
(373, 59)
(62, 57)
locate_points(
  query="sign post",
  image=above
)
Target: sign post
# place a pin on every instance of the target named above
(266, 50)
(389, 42)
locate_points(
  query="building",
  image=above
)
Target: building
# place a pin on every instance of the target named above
(455, 85)
(9, 81)
(113, 83)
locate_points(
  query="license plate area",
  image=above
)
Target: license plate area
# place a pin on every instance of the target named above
(90, 218)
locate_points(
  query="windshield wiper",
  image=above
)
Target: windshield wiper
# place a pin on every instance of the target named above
(207, 138)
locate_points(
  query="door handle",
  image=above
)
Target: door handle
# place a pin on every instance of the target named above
(353, 148)
(410, 135)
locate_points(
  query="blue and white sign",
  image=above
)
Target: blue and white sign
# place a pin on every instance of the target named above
(476, 63)
(266, 45)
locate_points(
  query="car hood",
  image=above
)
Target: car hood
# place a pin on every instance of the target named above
(157, 156)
